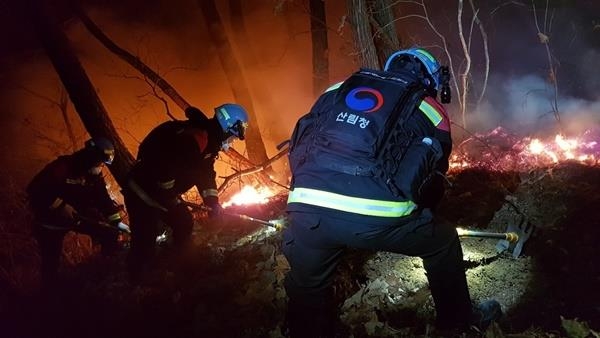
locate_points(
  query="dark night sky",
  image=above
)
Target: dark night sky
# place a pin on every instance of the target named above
(171, 37)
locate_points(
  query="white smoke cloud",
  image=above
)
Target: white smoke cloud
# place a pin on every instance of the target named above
(525, 105)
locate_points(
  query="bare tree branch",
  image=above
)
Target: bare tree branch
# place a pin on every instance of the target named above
(486, 52)
(254, 170)
(465, 73)
(545, 40)
(62, 104)
(128, 57)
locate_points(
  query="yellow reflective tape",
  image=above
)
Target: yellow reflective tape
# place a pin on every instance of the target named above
(167, 184)
(431, 113)
(427, 54)
(334, 87)
(210, 192)
(225, 113)
(114, 217)
(362, 206)
(57, 202)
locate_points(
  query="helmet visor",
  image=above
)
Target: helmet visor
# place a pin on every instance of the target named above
(109, 156)
(239, 129)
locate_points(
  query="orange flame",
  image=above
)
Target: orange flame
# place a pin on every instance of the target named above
(562, 149)
(250, 195)
(499, 150)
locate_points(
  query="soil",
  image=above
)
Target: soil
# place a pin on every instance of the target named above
(230, 284)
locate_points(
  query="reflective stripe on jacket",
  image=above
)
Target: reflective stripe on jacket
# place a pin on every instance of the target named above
(357, 205)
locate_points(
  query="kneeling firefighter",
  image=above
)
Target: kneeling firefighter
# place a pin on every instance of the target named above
(69, 194)
(368, 164)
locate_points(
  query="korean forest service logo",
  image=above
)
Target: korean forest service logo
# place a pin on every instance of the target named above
(364, 99)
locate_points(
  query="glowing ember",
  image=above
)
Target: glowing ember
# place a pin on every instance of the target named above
(499, 150)
(250, 195)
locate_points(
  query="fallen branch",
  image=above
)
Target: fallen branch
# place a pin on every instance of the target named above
(254, 170)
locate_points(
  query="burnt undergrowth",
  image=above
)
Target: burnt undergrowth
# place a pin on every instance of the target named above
(230, 283)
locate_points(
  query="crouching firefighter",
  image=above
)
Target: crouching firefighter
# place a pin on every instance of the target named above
(173, 158)
(368, 164)
(69, 194)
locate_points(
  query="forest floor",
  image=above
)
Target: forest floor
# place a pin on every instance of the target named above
(230, 285)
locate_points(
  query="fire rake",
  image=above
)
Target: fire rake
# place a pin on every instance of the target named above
(511, 241)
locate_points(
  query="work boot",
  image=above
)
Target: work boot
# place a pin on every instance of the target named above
(484, 314)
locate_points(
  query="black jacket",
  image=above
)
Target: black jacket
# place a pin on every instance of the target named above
(176, 156)
(66, 180)
(313, 175)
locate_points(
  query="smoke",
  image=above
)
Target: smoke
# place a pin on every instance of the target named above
(587, 73)
(520, 94)
(528, 105)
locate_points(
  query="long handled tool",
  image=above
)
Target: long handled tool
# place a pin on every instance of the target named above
(122, 227)
(508, 236)
(278, 224)
(511, 241)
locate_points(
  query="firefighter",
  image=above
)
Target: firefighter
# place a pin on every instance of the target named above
(69, 194)
(173, 158)
(357, 182)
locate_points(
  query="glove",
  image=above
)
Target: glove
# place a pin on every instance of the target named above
(171, 202)
(123, 227)
(215, 209)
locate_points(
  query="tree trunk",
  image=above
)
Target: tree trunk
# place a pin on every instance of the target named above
(77, 83)
(386, 37)
(254, 143)
(63, 105)
(320, 49)
(243, 43)
(361, 27)
(241, 38)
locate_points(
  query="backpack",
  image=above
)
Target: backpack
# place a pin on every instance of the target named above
(361, 131)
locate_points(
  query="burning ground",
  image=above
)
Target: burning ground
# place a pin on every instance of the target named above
(230, 285)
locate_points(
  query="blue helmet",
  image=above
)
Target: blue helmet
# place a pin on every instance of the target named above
(101, 150)
(233, 118)
(429, 61)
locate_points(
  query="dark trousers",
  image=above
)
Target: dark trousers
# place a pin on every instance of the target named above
(50, 241)
(146, 224)
(314, 244)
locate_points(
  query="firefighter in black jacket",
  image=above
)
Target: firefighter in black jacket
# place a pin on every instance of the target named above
(173, 158)
(69, 194)
(353, 187)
